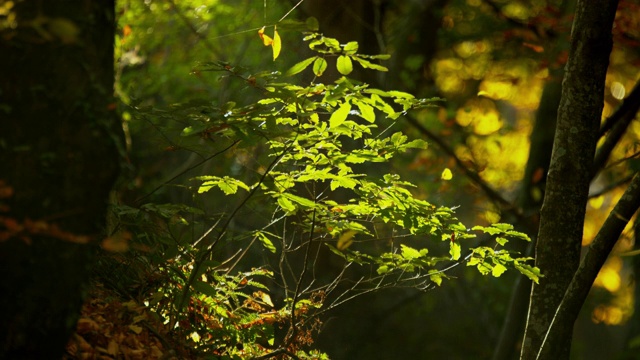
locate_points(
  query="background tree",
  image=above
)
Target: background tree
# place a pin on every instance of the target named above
(58, 135)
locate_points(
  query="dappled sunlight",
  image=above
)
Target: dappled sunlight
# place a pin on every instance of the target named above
(481, 114)
(617, 311)
(609, 276)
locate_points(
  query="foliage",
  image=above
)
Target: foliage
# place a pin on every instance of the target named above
(308, 186)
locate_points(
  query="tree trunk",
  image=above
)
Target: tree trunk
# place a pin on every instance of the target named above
(563, 209)
(529, 201)
(58, 162)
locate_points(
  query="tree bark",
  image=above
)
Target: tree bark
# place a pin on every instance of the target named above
(58, 162)
(563, 209)
(595, 257)
(530, 198)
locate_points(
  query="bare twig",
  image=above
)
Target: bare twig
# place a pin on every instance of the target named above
(615, 127)
(629, 105)
(187, 170)
(276, 353)
(193, 29)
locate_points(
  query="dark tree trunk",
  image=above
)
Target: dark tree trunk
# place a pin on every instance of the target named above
(563, 210)
(530, 198)
(58, 162)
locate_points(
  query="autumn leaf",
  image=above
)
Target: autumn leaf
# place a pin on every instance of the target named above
(275, 42)
(266, 39)
(346, 239)
(446, 174)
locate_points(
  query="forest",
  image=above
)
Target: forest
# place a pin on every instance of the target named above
(320, 179)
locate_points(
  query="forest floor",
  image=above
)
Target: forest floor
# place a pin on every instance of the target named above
(112, 328)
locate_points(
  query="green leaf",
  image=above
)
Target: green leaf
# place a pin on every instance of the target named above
(484, 268)
(340, 115)
(366, 111)
(498, 269)
(417, 144)
(488, 230)
(300, 66)
(518, 234)
(436, 277)
(227, 184)
(533, 273)
(369, 65)
(300, 200)
(195, 129)
(228, 188)
(409, 253)
(380, 56)
(266, 242)
(319, 66)
(401, 94)
(502, 226)
(344, 65)
(350, 48)
(343, 181)
(383, 269)
(286, 204)
(454, 250)
(502, 241)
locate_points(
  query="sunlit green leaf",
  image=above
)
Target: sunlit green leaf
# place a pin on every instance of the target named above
(340, 115)
(350, 48)
(498, 269)
(454, 250)
(266, 242)
(344, 65)
(369, 65)
(366, 111)
(286, 204)
(409, 253)
(382, 269)
(436, 277)
(300, 200)
(533, 273)
(299, 67)
(319, 66)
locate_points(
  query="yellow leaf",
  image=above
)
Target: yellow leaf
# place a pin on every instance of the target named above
(266, 40)
(195, 336)
(346, 239)
(446, 174)
(264, 297)
(277, 43)
(135, 328)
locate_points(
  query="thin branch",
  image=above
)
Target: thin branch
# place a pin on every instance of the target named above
(296, 294)
(208, 250)
(193, 29)
(187, 170)
(630, 103)
(615, 127)
(611, 187)
(591, 264)
(276, 353)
